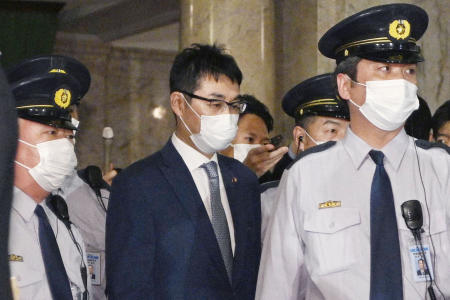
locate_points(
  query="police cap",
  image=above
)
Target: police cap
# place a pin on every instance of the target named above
(315, 96)
(44, 64)
(386, 33)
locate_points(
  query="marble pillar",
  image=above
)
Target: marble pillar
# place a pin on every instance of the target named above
(129, 92)
(303, 23)
(246, 29)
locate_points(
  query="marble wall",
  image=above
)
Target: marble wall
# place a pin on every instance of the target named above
(129, 92)
(303, 22)
(273, 41)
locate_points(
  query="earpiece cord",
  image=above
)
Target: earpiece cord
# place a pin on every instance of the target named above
(429, 217)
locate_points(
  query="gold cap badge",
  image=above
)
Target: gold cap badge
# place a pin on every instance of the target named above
(399, 29)
(62, 98)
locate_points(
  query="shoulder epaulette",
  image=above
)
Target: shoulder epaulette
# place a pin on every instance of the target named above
(315, 149)
(267, 185)
(428, 145)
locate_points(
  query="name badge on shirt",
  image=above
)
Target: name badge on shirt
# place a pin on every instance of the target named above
(419, 268)
(14, 257)
(329, 204)
(94, 264)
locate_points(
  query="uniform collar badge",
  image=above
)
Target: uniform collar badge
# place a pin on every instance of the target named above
(329, 204)
(14, 257)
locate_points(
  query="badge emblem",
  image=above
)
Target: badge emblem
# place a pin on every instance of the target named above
(57, 71)
(399, 29)
(14, 257)
(62, 98)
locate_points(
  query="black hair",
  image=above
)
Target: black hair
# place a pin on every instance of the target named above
(418, 124)
(347, 66)
(440, 117)
(304, 121)
(256, 107)
(198, 61)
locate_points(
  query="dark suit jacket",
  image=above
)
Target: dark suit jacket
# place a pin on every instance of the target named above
(160, 243)
(8, 136)
(284, 162)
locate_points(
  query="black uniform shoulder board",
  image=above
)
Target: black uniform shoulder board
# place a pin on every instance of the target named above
(428, 145)
(267, 185)
(315, 149)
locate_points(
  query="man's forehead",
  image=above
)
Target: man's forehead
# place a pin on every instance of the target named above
(381, 63)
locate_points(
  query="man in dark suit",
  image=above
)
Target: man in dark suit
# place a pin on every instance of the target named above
(184, 223)
(8, 134)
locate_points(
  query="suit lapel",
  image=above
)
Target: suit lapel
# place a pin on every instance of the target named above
(180, 178)
(238, 210)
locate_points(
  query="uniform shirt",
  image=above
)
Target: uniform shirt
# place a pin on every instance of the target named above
(269, 195)
(193, 160)
(26, 263)
(331, 246)
(89, 217)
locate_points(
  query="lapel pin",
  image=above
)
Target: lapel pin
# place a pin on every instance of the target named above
(234, 179)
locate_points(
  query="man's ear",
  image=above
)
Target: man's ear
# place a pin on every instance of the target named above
(177, 103)
(298, 134)
(431, 136)
(343, 85)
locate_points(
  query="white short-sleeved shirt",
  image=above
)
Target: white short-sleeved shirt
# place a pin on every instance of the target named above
(324, 253)
(25, 258)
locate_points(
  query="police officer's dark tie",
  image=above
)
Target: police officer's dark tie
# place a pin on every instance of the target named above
(218, 218)
(54, 268)
(385, 259)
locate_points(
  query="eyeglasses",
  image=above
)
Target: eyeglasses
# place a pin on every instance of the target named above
(218, 106)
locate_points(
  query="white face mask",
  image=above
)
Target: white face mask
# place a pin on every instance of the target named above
(314, 141)
(57, 162)
(241, 150)
(388, 102)
(216, 132)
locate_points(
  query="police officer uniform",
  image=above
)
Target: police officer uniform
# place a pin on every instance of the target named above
(43, 98)
(87, 210)
(315, 96)
(318, 245)
(90, 216)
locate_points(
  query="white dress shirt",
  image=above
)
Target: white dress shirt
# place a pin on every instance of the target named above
(25, 257)
(193, 160)
(313, 253)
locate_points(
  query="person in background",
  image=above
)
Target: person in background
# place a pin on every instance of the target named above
(46, 252)
(319, 117)
(185, 222)
(418, 124)
(251, 146)
(337, 231)
(441, 124)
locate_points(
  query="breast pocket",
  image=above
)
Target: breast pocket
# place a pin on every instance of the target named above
(330, 239)
(28, 280)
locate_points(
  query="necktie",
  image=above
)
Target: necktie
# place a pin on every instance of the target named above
(218, 218)
(385, 259)
(58, 280)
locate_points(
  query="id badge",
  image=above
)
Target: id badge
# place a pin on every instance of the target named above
(418, 266)
(94, 270)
